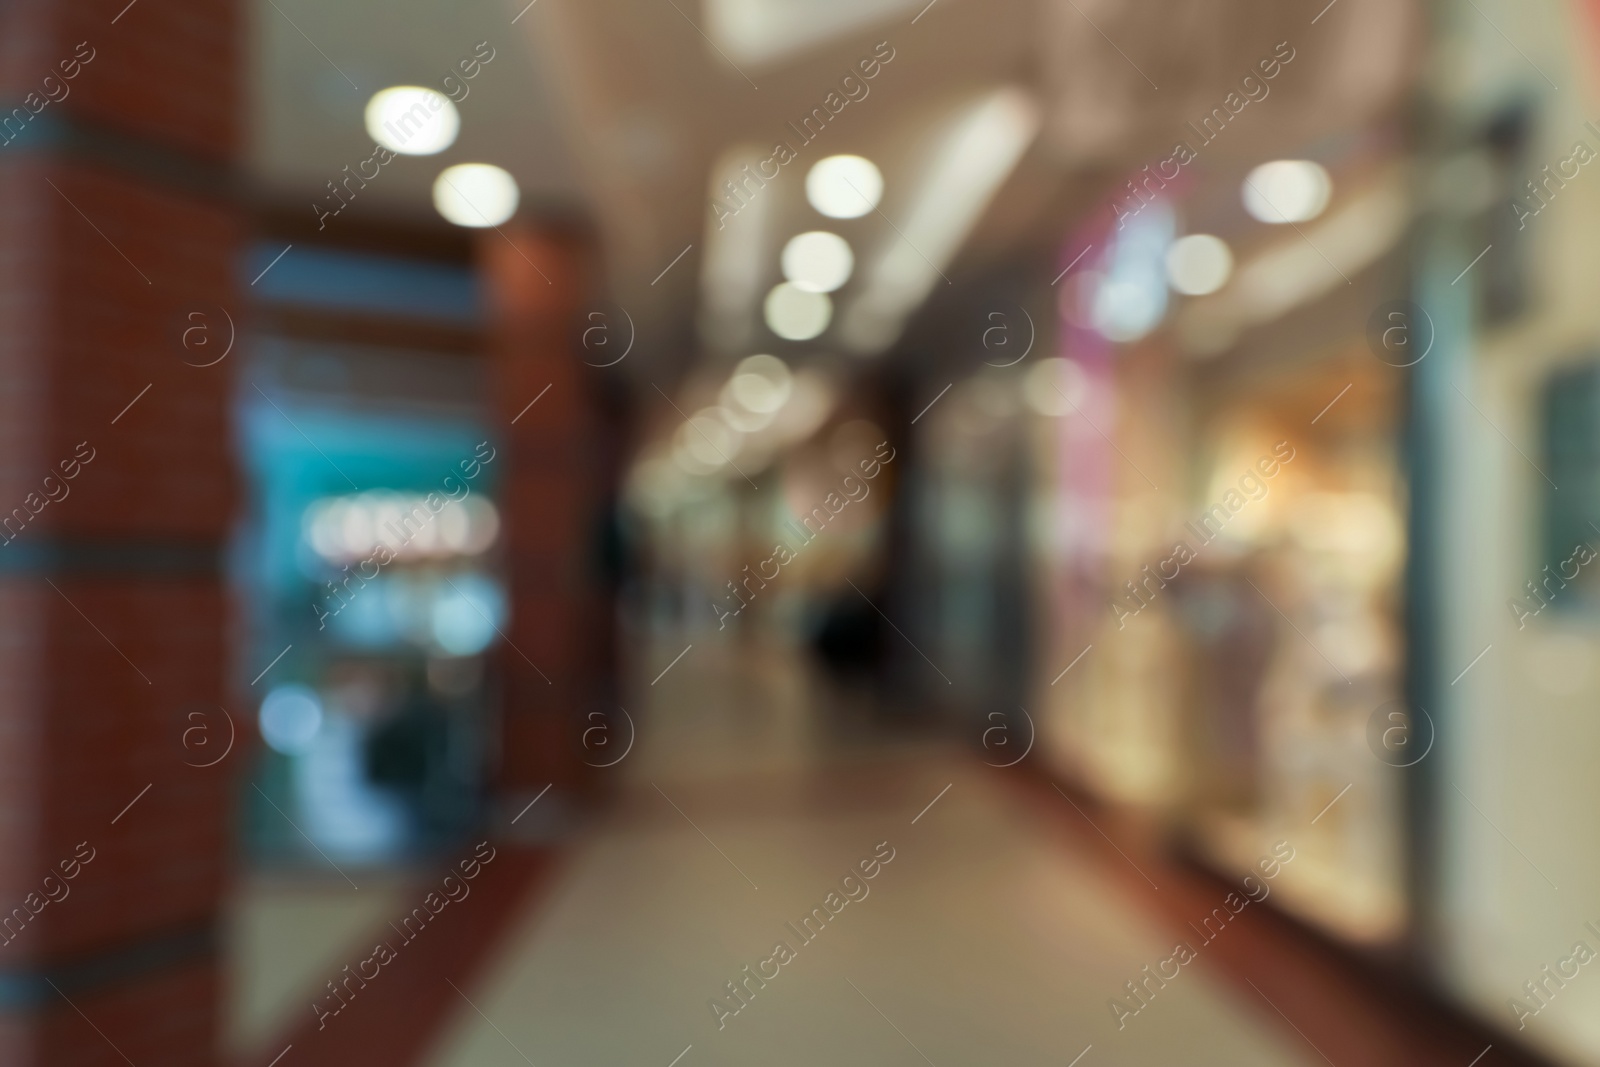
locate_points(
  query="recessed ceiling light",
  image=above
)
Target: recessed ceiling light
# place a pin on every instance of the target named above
(708, 439)
(1199, 264)
(796, 315)
(412, 120)
(475, 194)
(1287, 190)
(760, 383)
(980, 145)
(1053, 387)
(818, 262)
(844, 187)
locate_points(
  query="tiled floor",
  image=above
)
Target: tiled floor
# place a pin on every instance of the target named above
(983, 941)
(287, 936)
(1005, 922)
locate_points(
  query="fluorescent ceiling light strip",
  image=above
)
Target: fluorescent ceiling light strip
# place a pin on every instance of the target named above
(976, 158)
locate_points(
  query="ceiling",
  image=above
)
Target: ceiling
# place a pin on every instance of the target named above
(621, 111)
(315, 65)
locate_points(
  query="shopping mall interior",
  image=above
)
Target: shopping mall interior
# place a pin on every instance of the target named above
(517, 516)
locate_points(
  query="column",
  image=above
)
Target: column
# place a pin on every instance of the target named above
(562, 441)
(118, 241)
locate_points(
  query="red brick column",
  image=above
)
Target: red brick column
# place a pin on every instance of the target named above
(560, 469)
(116, 489)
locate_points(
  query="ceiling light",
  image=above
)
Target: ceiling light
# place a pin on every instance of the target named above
(1297, 270)
(1054, 386)
(765, 365)
(796, 315)
(475, 194)
(688, 462)
(844, 187)
(1198, 264)
(760, 384)
(740, 417)
(412, 120)
(979, 147)
(708, 438)
(818, 262)
(1287, 190)
(765, 32)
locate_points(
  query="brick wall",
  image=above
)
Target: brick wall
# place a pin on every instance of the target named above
(115, 224)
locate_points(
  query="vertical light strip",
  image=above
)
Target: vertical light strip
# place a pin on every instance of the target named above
(978, 154)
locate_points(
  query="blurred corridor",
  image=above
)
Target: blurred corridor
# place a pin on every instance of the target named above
(976, 939)
(742, 531)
